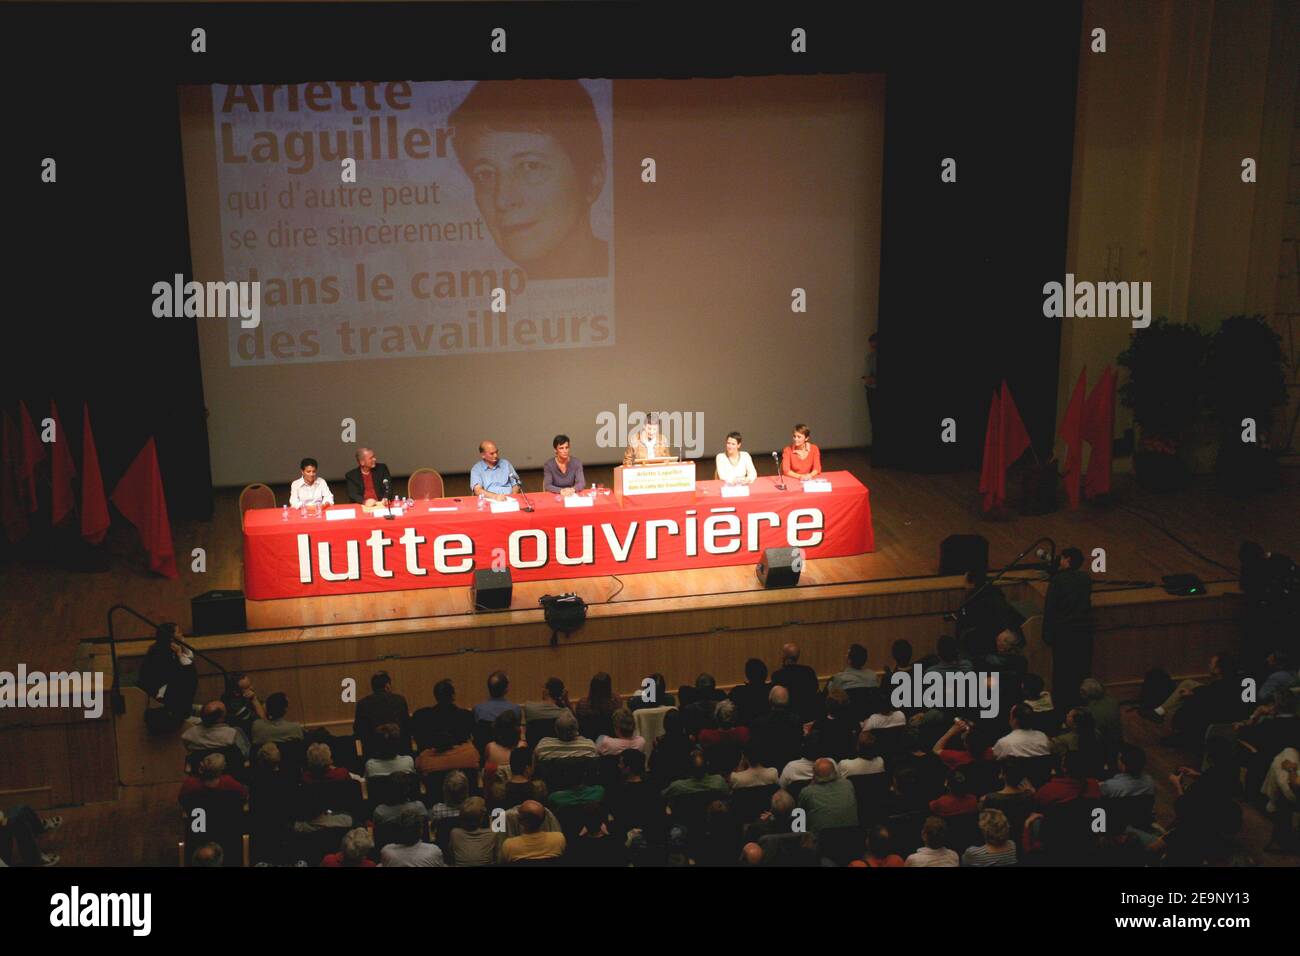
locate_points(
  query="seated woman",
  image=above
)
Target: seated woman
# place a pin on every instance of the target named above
(735, 467)
(801, 458)
(563, 473)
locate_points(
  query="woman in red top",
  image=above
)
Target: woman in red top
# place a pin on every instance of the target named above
(801, 458)
(880, 850)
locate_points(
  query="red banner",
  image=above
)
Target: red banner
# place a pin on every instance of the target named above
(303, 557)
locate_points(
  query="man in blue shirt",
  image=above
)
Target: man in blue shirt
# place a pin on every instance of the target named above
(1131, 781)
(1280, 675)
(493, 477)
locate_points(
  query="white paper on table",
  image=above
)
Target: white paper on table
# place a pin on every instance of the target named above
(578, 501)
(445, 509)
(735, 491)
(381, 512)
(498, 507)
(816, 485)
(340, 514)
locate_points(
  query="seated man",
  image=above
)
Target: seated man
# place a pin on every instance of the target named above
(1132, 779)
(444, 715)
(856, 675)
(366, 481)
(274, 728)
(410, 849)
(1022, 742)
(830, 800)
(493, 476)
(212, 732)
(567, 744)
(498, 685)
(309, 488)
(645, 444)
(534, 843)
(212, 777)
(381, 706)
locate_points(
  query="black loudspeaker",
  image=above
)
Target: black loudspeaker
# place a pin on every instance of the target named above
(491, 590)
(780, 567)
(218, 612)
(964, 554)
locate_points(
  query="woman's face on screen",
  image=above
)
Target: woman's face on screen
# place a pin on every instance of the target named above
(527, 190)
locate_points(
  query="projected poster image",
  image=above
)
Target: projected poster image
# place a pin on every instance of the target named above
(467, 194)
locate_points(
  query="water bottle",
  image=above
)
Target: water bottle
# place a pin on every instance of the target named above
(302, 510)
(284, 513)
(480, 502)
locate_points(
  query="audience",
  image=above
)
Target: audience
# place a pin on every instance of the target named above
(410, 848)
(533, 842)
(799, 679)
(380, 707)
(498, 685)
(1021, 741)
(273, 728)
(934, 846)
(567, 744)
(443, 717)
(625, 736)
(829, 799)
(998, 848)
(213, 733)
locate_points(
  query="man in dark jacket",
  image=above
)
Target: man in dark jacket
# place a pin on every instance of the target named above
(381, 707)
(366, 481)
(1067, 627)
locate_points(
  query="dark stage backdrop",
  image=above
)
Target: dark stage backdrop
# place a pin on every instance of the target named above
(963, 264)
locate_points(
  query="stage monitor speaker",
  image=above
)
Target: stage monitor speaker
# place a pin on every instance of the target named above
(964, 554)
(491, 590)
(218, 612)
(780, 567)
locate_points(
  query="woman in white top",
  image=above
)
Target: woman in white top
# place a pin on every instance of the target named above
(735, 466)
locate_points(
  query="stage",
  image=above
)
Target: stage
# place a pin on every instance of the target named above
(679, 622)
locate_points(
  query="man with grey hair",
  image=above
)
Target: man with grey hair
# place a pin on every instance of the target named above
(212, 732)
(830, 800)
(455, 791)
(567, 743)
(355, 850)
(409, 848)
(366, 481)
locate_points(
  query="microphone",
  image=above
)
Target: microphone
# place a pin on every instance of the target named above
(780, 478)
(528, 502)
(387, 495)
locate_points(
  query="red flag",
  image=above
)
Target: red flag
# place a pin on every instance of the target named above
(1099, 431)
(1072, 434)
(1015, 438)
(139, 496)
(12, 509)
(1005, 440)
(992, 441)
(62, 471)
(94, 506)
(33, 455)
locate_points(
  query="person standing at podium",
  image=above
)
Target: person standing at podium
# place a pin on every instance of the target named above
(647, 443)
(366, 481)
(562, 474)
(735, 467)
(801, 458)
(493, 476)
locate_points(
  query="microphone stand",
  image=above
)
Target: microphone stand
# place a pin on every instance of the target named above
(957, 614)
(388, 488)
(528, 502)
(780, 478)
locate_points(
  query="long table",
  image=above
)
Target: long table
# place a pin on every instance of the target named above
(440, 543)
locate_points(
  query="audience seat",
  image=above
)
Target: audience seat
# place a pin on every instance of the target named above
(649, 725)
(535, 730)
(748, 803)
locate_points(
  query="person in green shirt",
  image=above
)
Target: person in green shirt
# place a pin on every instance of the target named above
(830, 801)
(699, 781)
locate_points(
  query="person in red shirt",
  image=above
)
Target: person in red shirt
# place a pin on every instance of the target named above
(957, 801)
(357, 850)
(801, 458)
(1069, 785)
(320, 766)
(973, 746)
(212, 776)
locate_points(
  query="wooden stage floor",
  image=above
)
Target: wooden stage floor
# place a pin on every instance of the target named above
(49, 611)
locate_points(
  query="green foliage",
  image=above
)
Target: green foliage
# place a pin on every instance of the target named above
(1166, 380)
(1245, 376)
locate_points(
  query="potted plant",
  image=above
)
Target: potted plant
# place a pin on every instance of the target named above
(1246, 382)
(1165, 392)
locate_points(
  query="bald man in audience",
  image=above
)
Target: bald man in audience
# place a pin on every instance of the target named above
(829, 800)
(212, 732)
(533, 843)
(777, 735)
